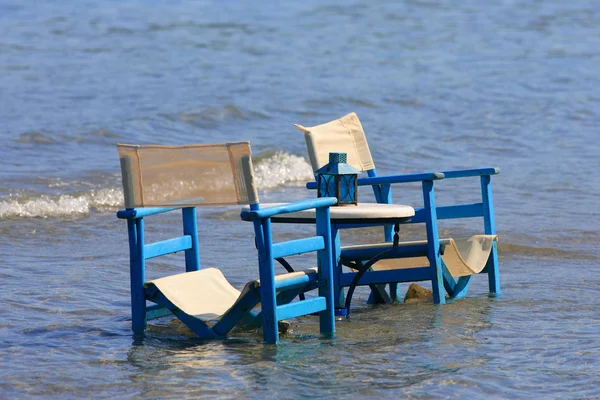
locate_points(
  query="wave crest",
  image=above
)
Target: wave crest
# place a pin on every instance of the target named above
(61, 206)
(282, 168)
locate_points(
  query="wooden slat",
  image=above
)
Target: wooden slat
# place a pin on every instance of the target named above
(294, 282)
(418, 249)
(303, 307)
(298, 246)
(167, 246)
(156, 311)
(395, 275)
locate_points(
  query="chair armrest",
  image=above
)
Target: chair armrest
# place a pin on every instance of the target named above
(134, 213)
(403, 178)
(249, 215)
(463, 173)
(382, 180)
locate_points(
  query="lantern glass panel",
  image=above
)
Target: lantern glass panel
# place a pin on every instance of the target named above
(347, 189)
(327, 186)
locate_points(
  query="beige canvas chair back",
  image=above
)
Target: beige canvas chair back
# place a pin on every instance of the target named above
(344, 135)
(191, 175)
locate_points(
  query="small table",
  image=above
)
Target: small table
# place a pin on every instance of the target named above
(344, 217)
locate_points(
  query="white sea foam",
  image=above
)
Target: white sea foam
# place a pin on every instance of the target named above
(282, 168)
(62, 205)
(270, 172)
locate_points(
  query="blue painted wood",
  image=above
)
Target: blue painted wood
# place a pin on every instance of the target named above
(378, 295)
(450, 212)
(464, 173)
(268, 212)
(299, 308)
(156, 311)
(262, 228)
(190, 228)
(383, 195)
(386, 276)
(386, 198)
(297, 246)
(394, 291)
(167, 246)
(133, 213)
(290, 293)
(449, 282)
(137, 275)
(239, 312)
(338, 293)
(403, 251)
(325, 271)
(404, 178)
(461, 287)
(196, 325)
(254, 319)
(293, 282)
(433, 241)
(493, 269)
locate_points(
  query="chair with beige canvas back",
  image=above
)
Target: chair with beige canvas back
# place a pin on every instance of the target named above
(448, 263)
(160, 179)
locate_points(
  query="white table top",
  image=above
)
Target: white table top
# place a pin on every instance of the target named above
(360, 213)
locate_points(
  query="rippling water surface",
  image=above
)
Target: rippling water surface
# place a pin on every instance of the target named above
(437, 86)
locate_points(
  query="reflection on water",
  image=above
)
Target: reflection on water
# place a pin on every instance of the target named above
(380, 348)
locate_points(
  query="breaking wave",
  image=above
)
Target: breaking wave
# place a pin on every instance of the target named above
(62, 205)
(282, 168)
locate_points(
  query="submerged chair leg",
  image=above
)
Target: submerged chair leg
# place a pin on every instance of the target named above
(338, 292)
(262, 230)
(383, 195)
(492, 267)
(325, 260)
(137, 274)
(433, 244)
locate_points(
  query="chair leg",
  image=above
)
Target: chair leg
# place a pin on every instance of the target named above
(394, 291)
(378, 295)
(493, 271)
(491, 268)
(137, 275)
(269, 315)
(338, 292)
(433, 244)
(326, 265)
(196, 325)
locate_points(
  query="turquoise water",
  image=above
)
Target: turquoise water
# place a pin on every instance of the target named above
(437, 86)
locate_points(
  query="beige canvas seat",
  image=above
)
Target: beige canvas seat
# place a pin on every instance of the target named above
(461, 256)
(443, 258)
(206, 294)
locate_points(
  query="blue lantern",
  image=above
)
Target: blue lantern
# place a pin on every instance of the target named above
(338, 179)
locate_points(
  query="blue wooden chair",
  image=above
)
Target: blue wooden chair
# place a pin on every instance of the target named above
(448, 263)
(160, 179)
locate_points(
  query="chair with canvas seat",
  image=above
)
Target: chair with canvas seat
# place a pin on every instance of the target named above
(160, 179)
(448, 263)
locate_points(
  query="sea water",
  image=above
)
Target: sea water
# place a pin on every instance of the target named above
(437, 85)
